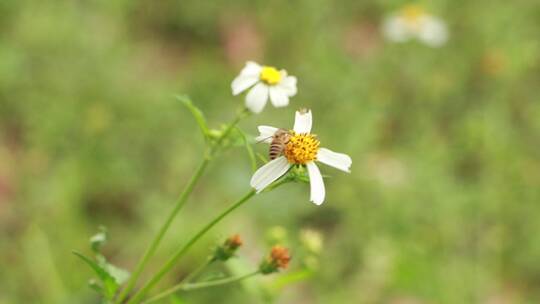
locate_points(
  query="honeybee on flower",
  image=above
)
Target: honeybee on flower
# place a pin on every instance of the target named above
(265, 82)
(413, 22)
(301, 149)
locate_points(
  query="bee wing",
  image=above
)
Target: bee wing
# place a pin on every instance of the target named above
(264, 139)
(266, 133)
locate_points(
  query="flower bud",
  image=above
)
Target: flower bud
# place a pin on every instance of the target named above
(279, 258)
(228, 249)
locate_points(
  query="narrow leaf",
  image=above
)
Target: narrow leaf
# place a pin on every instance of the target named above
(120, 275)
(196, 112)
(109, 282)
(101, 273)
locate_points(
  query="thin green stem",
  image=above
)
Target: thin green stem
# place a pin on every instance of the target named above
(250, 152)
(172, 261)
(161, 233)
(197, 271)
(241, 114)
(183, 281)
(192, 286)
(178, 206)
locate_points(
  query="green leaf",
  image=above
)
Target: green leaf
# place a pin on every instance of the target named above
(99, 239)
(110, 286)
(197, 114)
(101, 273)
(234, 137)
(95, 286)
(120, 275)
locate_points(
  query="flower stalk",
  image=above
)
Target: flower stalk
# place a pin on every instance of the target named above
(161, 233)
(180, 253)
(192, 286)
(213, 149)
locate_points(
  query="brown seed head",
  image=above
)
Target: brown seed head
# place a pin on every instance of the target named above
(280, 256)
(234, 241)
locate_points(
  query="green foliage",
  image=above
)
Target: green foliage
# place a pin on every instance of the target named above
(197, 114)
(99, 239)
(109, 284)
(110, 276)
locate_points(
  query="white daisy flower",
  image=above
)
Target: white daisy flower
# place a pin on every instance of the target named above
(413, 22)
(266, 81)
(303, 149)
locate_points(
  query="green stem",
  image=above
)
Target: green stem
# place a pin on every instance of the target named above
(192, 286)
(172, 261)
(241, 114)
(178, 206)
(197, 271)
(161, 233)
(178, 285)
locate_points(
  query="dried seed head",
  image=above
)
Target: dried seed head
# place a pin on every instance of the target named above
(228, 249)
(279, 258)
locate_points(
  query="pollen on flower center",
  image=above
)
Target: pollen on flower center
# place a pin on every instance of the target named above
(301, 148)
(413, 13)
(270, 75)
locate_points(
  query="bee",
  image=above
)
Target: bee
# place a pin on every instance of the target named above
(279, 141)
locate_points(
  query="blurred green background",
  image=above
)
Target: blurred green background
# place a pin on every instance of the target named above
(443, 203)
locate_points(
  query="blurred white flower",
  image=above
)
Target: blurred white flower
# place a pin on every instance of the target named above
(264, 81)
(413, 22)
(302, 149)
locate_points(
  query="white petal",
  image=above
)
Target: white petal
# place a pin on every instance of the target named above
(257, 97)
(288, 85)
(251, 69)
(433, 32)
(248, 77)
(270, 172)
(395, 29)
(302, 122)
(266, 133)
(337, 160)
(316, 184)
(278, 97)
(242, 83)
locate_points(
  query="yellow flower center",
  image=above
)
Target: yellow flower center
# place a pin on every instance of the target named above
(412, 14)
(301, 148)
(270, 75)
